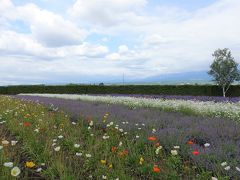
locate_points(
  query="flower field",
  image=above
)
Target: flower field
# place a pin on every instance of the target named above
(51, 138)
(228, 110)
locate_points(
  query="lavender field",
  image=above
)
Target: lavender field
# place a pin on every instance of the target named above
(216, 140)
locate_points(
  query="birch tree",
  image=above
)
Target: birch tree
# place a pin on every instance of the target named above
(224, 69)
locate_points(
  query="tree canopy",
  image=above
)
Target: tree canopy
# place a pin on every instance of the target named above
(224, 69)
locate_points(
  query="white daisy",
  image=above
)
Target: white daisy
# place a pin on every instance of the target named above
(224, 164)
(206, 145)
(76, 145)
(57, 148)
(174, 152)
(8, 164)
(13, 143)
(227, 168)
(88, 155)
(78, 154)
(60, 137)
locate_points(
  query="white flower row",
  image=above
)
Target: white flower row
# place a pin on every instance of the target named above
(209, 108)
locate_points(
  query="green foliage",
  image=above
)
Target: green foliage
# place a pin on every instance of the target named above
(224, 69)
(195, 90)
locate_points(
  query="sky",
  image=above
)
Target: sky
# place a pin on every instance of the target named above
(82, 41)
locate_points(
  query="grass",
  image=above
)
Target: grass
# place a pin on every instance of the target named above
(47, 138)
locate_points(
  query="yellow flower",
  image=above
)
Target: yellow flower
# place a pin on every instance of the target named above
(110, 166)
(141, 161)
(103, 161)
(15, 171)
(30, 164)
(105, 117)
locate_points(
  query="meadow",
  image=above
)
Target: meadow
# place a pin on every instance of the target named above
(96, 137)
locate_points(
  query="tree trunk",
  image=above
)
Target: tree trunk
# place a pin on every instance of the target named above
(224, 92)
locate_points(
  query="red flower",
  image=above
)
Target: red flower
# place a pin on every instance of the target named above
(156, 169)
(152, 138)
(157, 144)
(26, 124)
(114, 149)
(195, 153)
(190, 142)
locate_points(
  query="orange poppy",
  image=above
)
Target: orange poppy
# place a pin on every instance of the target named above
(152, 138)
(190, 142)
(26, 124)
(156, 169)
(114, 149)
(195, 153)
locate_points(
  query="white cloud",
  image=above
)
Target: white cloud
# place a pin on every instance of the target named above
(51, 35)
(113, 56)
(85, 49)
(107, 12)
(123, 49)
(6, 11)
(124, 55)
(12, 43)
(49, 28)
(156, 39)
(164, 39)
(187, 44)
(6, 5)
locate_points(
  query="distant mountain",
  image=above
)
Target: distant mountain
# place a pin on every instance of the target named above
(200, 77)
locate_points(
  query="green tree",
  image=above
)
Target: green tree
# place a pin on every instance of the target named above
(224, 69)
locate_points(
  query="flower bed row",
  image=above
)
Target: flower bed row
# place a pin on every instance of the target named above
(189, 107)
(56, 148)
(178, 97)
